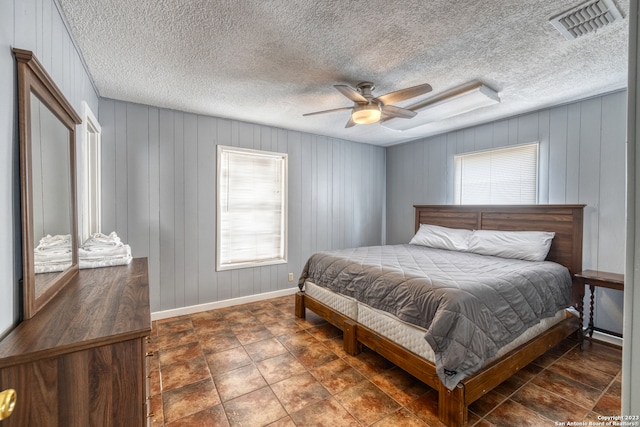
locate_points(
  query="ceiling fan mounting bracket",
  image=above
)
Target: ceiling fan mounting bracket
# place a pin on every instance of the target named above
(365, 88)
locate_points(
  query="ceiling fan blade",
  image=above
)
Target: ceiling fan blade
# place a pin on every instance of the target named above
(351, 93)
(402, 94)
(350, 123)
(393, 111)
(328, 111)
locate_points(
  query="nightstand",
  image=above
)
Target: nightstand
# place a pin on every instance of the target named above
(601, 279)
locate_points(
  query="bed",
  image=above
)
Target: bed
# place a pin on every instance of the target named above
(401, 342)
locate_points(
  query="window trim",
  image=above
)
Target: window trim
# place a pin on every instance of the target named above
(91, 143)
(457, 195)
(284, 235)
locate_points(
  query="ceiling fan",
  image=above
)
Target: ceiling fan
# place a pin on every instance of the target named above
(367, 109)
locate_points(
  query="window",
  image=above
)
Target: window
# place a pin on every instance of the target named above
(251, 207)
(502, 176)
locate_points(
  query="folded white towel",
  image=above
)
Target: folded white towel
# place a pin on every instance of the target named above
(53, 253)
(84, 263)
(98, 253)
(102, 240)
(52, 256)
(51, 267)
(53, 243)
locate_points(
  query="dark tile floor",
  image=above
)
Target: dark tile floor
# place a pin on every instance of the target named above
(257, 364)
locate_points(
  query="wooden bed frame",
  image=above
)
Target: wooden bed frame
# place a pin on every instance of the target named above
(565, 220)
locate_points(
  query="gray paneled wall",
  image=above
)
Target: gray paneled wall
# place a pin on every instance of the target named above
(159, 187)
(39, 27)
(582, 160)
(34, 25)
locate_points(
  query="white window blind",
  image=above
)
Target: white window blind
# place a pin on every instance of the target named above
(251, 207)
(501, 176)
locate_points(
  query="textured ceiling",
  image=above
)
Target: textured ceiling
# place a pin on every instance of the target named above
(270, 61)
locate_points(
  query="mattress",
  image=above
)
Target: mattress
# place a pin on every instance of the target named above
(469, 305)
(406, 334)
(342, 304)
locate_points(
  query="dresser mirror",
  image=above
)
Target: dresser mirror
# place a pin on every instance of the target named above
(47, 184)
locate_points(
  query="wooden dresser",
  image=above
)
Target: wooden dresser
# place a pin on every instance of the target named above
(80, 361)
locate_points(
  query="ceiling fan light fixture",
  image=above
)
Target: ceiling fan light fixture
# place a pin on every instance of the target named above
(366, 114)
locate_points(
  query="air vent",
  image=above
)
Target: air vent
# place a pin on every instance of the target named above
(586, 18)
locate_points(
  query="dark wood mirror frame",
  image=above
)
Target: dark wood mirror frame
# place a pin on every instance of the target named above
(33, 79)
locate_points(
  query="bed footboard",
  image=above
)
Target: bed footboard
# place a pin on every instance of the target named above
(452, 404)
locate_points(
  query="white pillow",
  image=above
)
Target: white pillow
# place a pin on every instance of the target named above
(526, 245)
(434, 236)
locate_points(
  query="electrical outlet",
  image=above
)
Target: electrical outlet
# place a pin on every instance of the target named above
(291, 277)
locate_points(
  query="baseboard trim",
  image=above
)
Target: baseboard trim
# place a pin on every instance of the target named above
(606, 339)
(183, 311)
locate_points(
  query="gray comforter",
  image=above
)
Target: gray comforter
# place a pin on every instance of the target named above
(470, 305)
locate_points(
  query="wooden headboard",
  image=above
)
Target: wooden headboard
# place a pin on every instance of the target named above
(564, 220)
